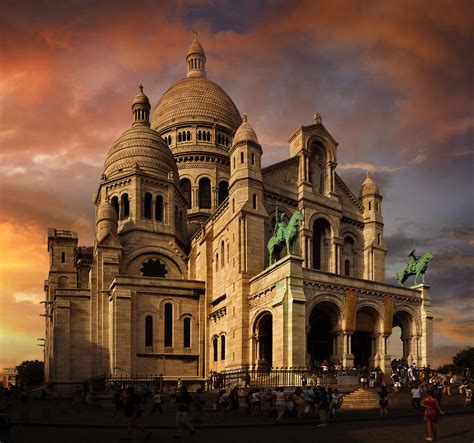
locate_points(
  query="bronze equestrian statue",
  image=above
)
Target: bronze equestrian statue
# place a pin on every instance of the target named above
(415, 266)
(284, 234)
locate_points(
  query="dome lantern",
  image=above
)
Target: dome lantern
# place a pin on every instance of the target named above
(196, 59)
(141, 108)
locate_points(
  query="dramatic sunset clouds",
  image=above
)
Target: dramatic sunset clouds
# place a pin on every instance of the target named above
(392, 80)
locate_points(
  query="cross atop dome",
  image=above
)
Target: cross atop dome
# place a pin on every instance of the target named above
(196, 58)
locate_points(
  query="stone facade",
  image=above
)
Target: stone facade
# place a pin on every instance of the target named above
(177, 281)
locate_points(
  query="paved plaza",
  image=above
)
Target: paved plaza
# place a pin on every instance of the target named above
(452, 428)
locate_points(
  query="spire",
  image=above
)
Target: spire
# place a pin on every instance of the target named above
(141, 108)
(196, 59)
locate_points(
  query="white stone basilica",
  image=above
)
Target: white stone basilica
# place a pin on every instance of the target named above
(177, 281)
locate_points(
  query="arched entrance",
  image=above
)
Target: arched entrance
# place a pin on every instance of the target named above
(403, 324)
(364, 337)
(263, 333)
(322, 333)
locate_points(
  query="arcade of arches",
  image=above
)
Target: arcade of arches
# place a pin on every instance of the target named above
(326, 338)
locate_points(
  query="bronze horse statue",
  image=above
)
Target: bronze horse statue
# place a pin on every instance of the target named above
(284, 236)
(417, 269)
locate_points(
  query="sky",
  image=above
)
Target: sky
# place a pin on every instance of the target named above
(393, 81)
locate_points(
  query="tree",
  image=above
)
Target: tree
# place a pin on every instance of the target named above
(30, 372)
(464, 359)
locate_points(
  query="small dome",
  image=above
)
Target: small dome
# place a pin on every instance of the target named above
(106, 212)
(245, 132)
(140, 147)
(369, 187)
(195, 47)
(141, 98)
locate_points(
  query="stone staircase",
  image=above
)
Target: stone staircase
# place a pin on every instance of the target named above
(369, 399)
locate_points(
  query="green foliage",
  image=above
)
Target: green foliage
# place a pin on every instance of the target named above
(446, 369)
(30, 372)
(464, 359)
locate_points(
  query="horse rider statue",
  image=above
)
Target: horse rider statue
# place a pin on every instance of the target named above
(284, 234)
(280, 226)
(412, 259)
(416, 266)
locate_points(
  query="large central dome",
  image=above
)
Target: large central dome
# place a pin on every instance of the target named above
(195, 98)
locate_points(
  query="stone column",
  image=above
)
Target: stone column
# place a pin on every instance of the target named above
(426, 339)
(347, 356)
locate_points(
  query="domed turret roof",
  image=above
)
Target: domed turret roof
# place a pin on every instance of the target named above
(369, 186)
(140, 147)
(140, 98)
(106, 211)
(195, 98)
(195, 47)
(245, 132)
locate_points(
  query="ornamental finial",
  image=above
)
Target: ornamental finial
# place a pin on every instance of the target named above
(318, 119)
(140, 87)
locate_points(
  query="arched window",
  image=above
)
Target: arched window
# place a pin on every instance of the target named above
(222, 347)
(217, 262)
(187, 332)
(222, 253)
(62, 283)
(233, 162)
(186, 188)
(168, 325)
(208, 136)
(321, 234)
(254, 201)
(147, 205)
(148, 330)
(115, 204)
(219, 139)
(199, 135)
(370, 206)
(253, 158)
(376, 207)
(214, 348)
(125, 206)
(63, 257)
(179, 136)
(347, 267)
(241, 157)
(188, 136)
(223, 191)
(233, 205)
(159, 208)
(205, 193)
(227, 141)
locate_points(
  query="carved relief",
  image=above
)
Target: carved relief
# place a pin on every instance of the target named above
(388, 314)
(350, 298)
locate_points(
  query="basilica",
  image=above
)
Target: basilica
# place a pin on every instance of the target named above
(181, 279)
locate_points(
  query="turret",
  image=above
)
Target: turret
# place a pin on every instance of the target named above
(196, 59)
(245, 166)
(373, 230)
(106, 220)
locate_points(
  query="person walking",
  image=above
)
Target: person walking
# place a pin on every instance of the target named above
(323, 407)
(280, 403)
(234, 398)
(183, 422)
(298, 401)
(383, 402)
(132, 414)
(468, 393)
(431, 406)
(256, 402)
(416, 398)
(309, 400)
(157, 402)
(336, 403)
(197, 405)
